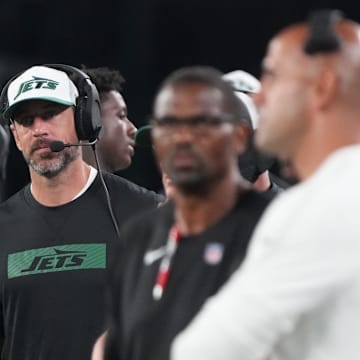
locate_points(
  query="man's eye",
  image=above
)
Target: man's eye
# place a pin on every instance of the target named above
(170, 122)
(198, 121)
(25, 120)
(201, 121)
(48, 114)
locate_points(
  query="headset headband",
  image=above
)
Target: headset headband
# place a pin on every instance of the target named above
(323, 37)
(87, 109)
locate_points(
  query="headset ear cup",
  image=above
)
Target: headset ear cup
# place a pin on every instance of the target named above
(79, 119)
(87, 111)
(91, 111)
(4, 102)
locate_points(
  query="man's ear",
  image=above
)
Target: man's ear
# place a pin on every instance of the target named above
(325, 88)
(15, 134)
(242, 133)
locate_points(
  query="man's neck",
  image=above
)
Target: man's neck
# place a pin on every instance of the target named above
(88, 155)
(327, 135)
(62, 188)
(195, 213)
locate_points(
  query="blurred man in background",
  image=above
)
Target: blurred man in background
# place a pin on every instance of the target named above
(297, 294)
(180, 254)
(255, 166)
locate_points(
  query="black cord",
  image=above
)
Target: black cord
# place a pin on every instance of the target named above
(108, 199)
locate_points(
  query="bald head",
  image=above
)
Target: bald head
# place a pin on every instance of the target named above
(344, 61)
(309, 104)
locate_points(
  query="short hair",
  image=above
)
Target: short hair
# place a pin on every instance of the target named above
(105, 79)
(211, 77)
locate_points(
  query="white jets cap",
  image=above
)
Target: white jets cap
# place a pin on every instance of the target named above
(41, 83)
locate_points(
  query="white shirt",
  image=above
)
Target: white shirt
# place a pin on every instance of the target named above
(297, 295)
(90, 180)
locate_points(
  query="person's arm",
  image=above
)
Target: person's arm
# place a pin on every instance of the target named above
(289, 272)
(99, 347)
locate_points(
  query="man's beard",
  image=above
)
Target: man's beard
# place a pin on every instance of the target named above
(52, 165)
(189, 182)
(196, 180)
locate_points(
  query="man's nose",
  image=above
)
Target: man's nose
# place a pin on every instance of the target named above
(258, 98)
(39, 126)
(183, 133)
(131, 128)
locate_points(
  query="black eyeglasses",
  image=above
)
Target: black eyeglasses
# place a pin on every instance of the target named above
(196, 123)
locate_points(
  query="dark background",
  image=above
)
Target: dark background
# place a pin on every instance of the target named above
(145, 40)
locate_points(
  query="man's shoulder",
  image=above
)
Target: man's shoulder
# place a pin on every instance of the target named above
(146, 229)
(124, 188)
(285, 209)
(15, 201)
(151, 219)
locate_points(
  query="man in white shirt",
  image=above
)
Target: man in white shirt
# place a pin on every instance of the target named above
(297, 295)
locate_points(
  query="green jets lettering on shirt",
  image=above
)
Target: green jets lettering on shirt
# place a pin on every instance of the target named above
(57, 258)
(36, 83)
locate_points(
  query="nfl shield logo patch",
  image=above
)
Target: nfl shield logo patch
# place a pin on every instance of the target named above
(213, 253)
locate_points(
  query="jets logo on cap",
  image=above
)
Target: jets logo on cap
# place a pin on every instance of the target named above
(36, 83)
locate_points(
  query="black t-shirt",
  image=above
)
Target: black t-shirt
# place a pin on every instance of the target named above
(53, 263)
(141, 328)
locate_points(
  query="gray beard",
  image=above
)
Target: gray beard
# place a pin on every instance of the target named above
(56, 165)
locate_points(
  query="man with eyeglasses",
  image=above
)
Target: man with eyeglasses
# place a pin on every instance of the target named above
(180, 254)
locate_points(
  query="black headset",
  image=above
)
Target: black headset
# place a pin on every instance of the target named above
(322, 35)
(87, 108)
